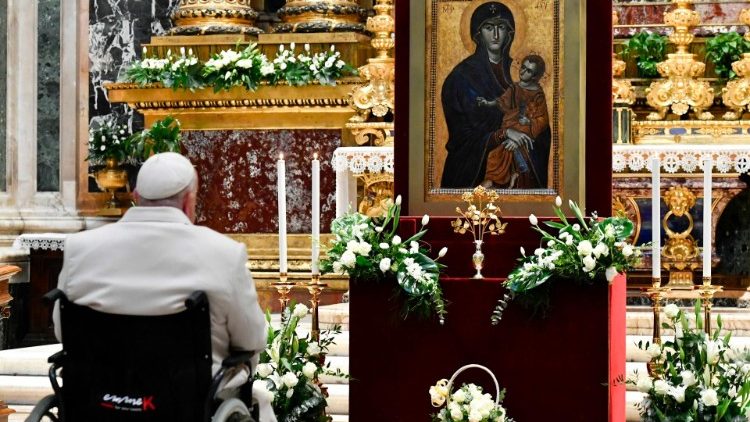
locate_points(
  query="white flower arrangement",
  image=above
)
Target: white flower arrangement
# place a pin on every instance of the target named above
(369, 249)
(247, 67)
(694, 376)
(588, 250)
(468, 404)
(290, 367)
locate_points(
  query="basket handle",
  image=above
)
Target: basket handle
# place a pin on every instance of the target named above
(473, 365)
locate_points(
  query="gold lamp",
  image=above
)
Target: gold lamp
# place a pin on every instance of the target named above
(681, 91)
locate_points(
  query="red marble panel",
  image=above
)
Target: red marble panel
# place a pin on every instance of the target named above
(721, 18)
(237, 171)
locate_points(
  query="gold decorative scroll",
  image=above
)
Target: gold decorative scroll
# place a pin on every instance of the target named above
(736, 95)
(200, 17)
(681, 91)
(622, 90)
(321, 16)
(680, 252)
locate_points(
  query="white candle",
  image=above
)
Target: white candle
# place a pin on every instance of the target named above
(656, 218)
(707, 226)
(315, 213)
(281, 180)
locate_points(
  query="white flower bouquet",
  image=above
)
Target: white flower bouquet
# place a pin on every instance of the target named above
(290, 367)
(183, 71)
(469, 403)
(588, 250)
(695, 377)
(369, 249)
(230, 68)
(109, 141)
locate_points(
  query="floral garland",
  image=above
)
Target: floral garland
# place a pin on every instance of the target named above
(247, 67)
(588, 249)
(369, 249)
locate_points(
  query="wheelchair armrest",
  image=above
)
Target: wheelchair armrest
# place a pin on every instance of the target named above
(197, 298)
(56, 359)
(237, 358)
(52, 296)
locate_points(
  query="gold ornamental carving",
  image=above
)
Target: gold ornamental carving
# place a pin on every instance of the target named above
(201, 17)
(736, 95)
(622, 90)
(680, 252)
(681, 91)
(321, 16)
(378, 194)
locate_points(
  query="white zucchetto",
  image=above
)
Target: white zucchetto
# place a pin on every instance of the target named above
(164, 175)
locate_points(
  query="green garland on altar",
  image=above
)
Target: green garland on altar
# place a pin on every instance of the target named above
(248, 68)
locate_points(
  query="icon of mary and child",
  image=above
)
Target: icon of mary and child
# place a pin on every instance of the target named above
(498, 130)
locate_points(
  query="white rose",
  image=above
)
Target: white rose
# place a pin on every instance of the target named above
(576, 227)
(678, 393)
(289, 393)
(264, 370)
(309, 370)
(289, 379)
(661, 387)
(732, 392)
(396, 240)
(533, 220)
(459, 396)
(262, 392)
(654, 350)
(384, 245)
(709, 397)
(585, 248)
(610, 273)
(300, 310)
(601, 250)
(413, 247)
(671, 311)
(385, 264)
(475, 416)
(558, 202)
(644, 384)
(523, 251)
(627, 250)
(456, 413)
(588, 263)
(442, 252)
(313, 349)
(688, 378)
(348, 259)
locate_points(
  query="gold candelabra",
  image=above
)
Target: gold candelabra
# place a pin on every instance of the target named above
(680, 252)
(707, 291)
(321, 16)
(657, 293)
(622, 90)
(201, 17)
(284, 288)
(681, 91)
(736, 95)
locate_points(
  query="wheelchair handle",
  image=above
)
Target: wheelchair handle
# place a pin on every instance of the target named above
(197, 298)
(52, 296)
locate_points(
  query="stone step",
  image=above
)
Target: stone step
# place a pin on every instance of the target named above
(737, 320)
(632, 398)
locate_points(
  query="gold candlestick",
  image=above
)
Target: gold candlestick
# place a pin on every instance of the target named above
(656, 293)
(315, 287)
(283, 288)
(707, 292)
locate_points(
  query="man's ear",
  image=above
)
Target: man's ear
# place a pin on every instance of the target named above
(136, 196)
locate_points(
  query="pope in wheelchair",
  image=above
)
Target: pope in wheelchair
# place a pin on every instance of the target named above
(159, 319)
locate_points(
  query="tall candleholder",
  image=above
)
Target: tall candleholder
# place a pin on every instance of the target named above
(707, 292)
(657, 293)
(315, 287)
(283, 288)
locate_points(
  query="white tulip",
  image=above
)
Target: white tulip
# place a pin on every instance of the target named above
(425, 219)
(292, 46)
(523, 252)
(145, 51)
(398, 200)
(307, 47)
(385, 264)
(300, 310)
(558, 202)
(182, 51)
(384, 246)
(533, 220)
(396, 240)
(610, 273)
(442, 252)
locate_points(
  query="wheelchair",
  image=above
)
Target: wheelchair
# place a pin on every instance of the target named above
(130, 368)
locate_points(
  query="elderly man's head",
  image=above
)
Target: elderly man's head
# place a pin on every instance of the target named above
(168, 180)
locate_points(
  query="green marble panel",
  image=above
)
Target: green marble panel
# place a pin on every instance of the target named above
(48, 96)
(3, 96)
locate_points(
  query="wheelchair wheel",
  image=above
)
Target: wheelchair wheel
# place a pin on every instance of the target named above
(45, 410)
(232, 410)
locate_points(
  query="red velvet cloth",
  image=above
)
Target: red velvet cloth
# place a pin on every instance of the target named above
(559, 368)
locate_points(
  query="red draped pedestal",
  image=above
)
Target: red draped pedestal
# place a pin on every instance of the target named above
(561, 367)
